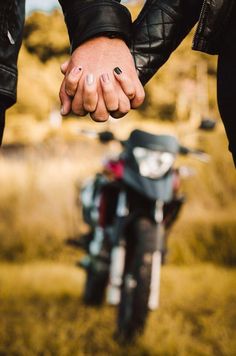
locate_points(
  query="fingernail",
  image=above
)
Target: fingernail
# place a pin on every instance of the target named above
(105, 78)
(89, 79)
(62, 110)
(76, 70)
(117, 70)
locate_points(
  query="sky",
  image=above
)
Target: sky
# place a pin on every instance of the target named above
(45, 5)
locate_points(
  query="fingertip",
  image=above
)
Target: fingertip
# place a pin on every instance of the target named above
(104, 78)
(99, 117)
(76, 71)
(89, 80)
(138, 99)
(65, 108)
(65, 101)
(106, 83)
(64, 67)
(117, 71)
(117, 115)
(72, 79)
(119, 75)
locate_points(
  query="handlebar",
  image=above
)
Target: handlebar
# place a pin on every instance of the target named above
(104, 136)
(107, 136)
(198, 154)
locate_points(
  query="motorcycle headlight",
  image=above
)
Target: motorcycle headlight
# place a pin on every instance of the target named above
(153, 164)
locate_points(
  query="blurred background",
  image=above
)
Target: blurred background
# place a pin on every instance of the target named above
(44, 160)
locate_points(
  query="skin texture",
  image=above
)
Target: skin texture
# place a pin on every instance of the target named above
(91, 84)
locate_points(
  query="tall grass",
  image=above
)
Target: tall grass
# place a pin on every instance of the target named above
(37, 207)
(42, 314)
(39, 190)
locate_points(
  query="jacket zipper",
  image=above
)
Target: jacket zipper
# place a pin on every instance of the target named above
(11, 39)
(7, 31)
(201, 17)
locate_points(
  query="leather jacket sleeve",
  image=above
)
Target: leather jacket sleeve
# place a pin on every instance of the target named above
(86, 19)
(12, 16)
(158, 30)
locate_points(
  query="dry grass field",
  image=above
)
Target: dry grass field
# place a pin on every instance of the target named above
(41, 305)
(42, 314)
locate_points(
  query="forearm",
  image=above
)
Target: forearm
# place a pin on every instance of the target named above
(86, 19)
(2, 122)
(158, 30)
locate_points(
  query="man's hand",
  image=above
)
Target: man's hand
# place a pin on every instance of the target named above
(100, 78)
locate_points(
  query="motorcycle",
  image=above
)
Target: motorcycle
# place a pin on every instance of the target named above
(130, 208)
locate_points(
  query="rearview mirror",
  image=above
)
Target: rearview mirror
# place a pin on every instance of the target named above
(106, 136)
(207, 124)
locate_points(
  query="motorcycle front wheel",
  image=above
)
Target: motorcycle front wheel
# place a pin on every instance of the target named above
(96, 283)
(135, 293)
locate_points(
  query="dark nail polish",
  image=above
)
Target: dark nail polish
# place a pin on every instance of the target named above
(118, 70)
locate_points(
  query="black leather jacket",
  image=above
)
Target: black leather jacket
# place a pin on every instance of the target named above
(163, 24)
(158, 30)
(12, 15)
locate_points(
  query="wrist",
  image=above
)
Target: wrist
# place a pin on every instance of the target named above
(93, 18)
(102, 44)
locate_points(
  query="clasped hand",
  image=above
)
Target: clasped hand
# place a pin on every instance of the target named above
(100, 78)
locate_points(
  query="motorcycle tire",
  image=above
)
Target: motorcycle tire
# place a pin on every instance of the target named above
(133, 308)
(95, 286)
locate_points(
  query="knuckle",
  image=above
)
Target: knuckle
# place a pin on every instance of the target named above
(61, 95)
(131, 94)
(70, 81)
(99, 116)
(125, 108)
(112, 108)
(77, 109)
(112, 103)
(70, 92)
(89, 90)
(80, 112)
(89, 107)
(70, 87)
(139, 99)
(117, 114)
(108, 88)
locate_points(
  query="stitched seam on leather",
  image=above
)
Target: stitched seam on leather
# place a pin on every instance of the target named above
(199, 37)
(7, 70)
(163, 29)
(173, 14)
(12, 93)
(144, 12)
(149, 41)
(109, 27)
(93, 5)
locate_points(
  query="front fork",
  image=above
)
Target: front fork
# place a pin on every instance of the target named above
(118, 252)
(100, 258)
(154, 296)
